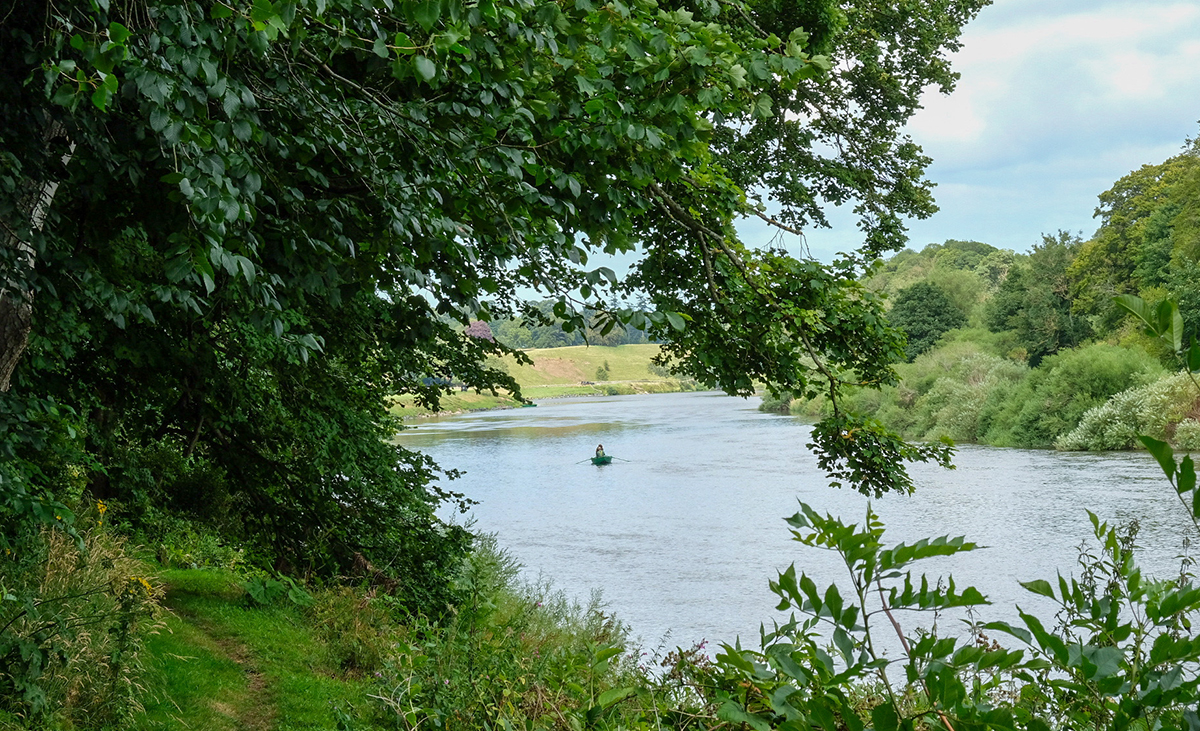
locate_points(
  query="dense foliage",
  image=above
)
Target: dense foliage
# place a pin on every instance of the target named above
(234, 230)
(925, 314)
(1056, 347)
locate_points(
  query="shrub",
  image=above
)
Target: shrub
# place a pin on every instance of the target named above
(516, 655)
(1149, 409)
(1070, 383)
(190, 545)
(780, 403)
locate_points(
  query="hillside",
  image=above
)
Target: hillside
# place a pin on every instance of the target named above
(577, 370)
(1030, 350)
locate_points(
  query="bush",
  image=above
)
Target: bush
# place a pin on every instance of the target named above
(780, 403)
(189, 545)
(1070, 383)
(1151, 409)
(355, 626)
(517, 655)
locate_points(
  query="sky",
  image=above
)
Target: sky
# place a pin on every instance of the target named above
(1057, 100)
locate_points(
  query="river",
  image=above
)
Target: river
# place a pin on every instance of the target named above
(683, 536)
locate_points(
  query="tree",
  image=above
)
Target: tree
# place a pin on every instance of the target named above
(270, 216)
(479, 329)
(1035, 300)
(1128, 249)
(924, 313)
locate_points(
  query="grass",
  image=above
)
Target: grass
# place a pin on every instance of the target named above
(562, 372)
(222, 665)
(562, 366)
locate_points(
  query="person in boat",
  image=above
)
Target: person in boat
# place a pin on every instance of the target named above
(599, 450)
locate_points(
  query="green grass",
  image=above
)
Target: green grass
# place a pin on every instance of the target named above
(562, 366)
(219, 664)
(559, 372)
(626, 388)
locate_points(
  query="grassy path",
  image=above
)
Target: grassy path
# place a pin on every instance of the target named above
(220, 665)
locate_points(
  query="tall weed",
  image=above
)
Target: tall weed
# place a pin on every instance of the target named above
(72, 626)
(517, 655)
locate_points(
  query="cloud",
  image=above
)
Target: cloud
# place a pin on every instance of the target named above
(1057, 100)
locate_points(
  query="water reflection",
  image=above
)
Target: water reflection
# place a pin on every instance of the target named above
(684, 535)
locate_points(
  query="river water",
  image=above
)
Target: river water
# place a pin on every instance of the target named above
(683, 536)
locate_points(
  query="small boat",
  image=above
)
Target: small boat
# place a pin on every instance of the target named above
(606, 459)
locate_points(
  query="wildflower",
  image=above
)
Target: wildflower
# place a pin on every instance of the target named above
(101, 507)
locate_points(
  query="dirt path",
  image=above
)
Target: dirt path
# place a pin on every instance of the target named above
(253, 709)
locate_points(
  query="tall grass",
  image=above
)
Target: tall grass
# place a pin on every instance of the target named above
(73, 624)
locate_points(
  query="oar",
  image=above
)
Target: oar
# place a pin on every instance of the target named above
(624, 460)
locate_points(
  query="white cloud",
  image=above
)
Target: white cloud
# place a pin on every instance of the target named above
(1057, 100)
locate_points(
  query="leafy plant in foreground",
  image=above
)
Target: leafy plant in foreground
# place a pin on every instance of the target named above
(1120, 652)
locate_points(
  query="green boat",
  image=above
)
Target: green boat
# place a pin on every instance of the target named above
(602, 460)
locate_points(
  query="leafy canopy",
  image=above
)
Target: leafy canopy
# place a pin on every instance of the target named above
(264, 219)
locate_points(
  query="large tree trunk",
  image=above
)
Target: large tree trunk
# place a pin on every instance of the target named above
(16, 294)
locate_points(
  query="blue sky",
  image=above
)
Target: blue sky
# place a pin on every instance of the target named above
(1058, 99)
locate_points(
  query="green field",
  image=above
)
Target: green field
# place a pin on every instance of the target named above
(563, 372)
(577, 363)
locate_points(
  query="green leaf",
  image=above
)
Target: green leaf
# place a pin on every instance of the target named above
(425, 68)
(118, 33)
(762, 107)
(220, 11)
(1039, 586)
(884, 717)
(100, 98)
(613, 695)
(1187, 476)
(261, 12)
(427, 13)
(1137, 307)
(735, 714)
(380, 48)
(1162, 452)
(1192, 357)
(159, 119)
(676, 320)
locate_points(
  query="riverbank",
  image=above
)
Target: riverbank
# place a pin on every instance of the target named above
(222, 658)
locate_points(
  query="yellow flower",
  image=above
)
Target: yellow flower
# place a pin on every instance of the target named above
(100, 506)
